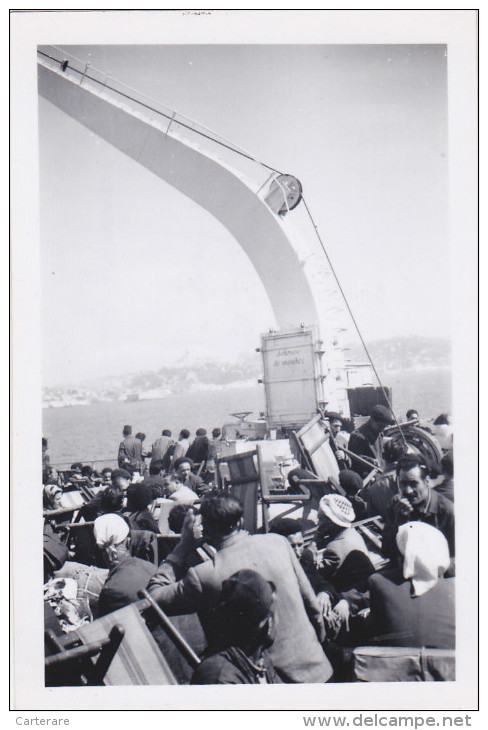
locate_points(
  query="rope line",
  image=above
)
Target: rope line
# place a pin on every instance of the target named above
(353, 318)
(195, 122)
(162, 114)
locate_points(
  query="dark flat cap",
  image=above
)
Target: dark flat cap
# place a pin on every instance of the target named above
(246, 597)
(350, 481)
(333, 416)
(121, 473)
(382, 414)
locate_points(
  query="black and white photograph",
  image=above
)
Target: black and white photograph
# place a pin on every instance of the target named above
(245, 327)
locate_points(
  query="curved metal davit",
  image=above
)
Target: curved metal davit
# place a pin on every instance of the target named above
(226, 181)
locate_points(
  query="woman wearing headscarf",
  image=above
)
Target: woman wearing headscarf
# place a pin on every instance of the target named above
(52, 497)
(414, 605)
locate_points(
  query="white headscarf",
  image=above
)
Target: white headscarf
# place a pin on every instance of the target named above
(110, 530)
(425, 555)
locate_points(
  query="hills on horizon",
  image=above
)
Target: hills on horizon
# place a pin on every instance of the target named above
(391, 354)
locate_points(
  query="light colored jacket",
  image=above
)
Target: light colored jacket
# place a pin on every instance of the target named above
(296, 652)
(339, 548)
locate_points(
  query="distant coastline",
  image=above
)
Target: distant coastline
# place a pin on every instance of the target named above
(391, 357)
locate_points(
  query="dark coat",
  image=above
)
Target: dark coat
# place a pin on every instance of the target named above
(130, 451)
(361, 442)
(198, 450)
(143, 520)
(398, 619)
(231, 666)
(439, 514)
(124, 582)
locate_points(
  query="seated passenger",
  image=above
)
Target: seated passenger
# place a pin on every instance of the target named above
(183, 470)
(75, 475)
(352, 484)
(335, 536)
(416, 501)
(366, 442)
(106, 475)
(110, 499)
(127, 575)
(87, 474)
(343, 566)
(340, 438)
(139, 497)
(239, 657)
(292, 530)
(412, 415)
(156, 478)
(52, 497)
(414, 605)
(446, 487)
(177, 491)
(380, 492)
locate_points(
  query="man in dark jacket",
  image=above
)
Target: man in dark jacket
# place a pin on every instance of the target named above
(198, 449)
(365, 441)
(416, 500)
(130, 451)
(183, 470)
(161, 446)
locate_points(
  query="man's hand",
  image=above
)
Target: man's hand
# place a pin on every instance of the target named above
(341, 609)
(401, 506)
(325, 604)
(339, 617)
(190, 532)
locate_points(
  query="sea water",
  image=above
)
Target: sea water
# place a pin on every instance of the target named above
(93, 432)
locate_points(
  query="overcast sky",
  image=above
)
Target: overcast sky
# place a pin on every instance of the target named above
(136, 276)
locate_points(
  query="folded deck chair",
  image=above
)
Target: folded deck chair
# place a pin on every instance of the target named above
(314, 443)
(403, 664)
(86, 664)
(138, 660)
(180, 638)
(243, 484)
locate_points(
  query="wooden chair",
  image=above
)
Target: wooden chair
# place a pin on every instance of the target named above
(371, 529)
(243, 484)
(86, 664)
(314, 444)
(132, 656)
(57, 516)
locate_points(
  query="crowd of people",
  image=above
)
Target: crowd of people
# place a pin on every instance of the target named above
(287, 605)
